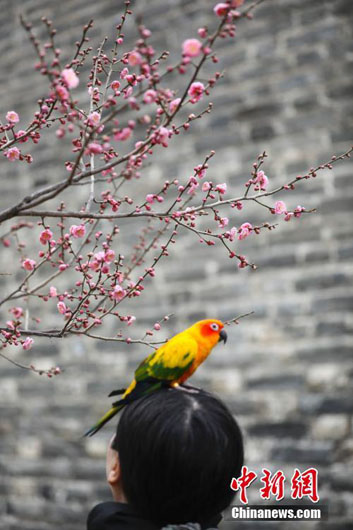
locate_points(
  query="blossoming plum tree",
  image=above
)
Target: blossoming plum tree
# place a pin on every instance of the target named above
(129, 98)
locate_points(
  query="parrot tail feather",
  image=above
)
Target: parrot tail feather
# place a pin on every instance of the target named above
(104, 419)
(142, 388)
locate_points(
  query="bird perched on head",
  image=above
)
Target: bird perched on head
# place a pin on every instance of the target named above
(170, 365)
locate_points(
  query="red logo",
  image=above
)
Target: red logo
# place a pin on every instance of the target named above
(303, 484)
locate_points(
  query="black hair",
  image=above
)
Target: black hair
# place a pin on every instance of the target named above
(178, 452)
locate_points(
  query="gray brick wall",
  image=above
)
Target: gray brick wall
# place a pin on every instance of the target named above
(287, 371)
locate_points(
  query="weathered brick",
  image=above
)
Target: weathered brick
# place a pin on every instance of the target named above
(345, 252)
(312, 36)
(336, 525)
(322, 281)
(333, 328)
(318, 453)
(305, 103)
(339, 404)
(344, 7)
(262, 132)
(278, 430)
(242, 406)
(259, 111)
(325, 353)
(275, 261)
(316, 255)
(338, 303)
(341, 91)
(206, 142)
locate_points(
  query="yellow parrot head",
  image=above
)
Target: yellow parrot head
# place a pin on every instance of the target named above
(210, 331)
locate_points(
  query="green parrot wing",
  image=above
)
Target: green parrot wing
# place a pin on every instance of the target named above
(170, 361)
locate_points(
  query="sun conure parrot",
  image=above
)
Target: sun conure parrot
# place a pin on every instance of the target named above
(169, 365)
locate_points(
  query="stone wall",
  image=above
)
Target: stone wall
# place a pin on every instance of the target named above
(287, 371)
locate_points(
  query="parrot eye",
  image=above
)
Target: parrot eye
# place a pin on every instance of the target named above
(214, 327)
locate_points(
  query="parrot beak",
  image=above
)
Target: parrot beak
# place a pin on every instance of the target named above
(222, 336)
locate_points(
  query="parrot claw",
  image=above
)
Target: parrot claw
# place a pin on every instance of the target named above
(188, 388)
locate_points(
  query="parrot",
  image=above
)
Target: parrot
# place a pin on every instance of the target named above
(170, 365)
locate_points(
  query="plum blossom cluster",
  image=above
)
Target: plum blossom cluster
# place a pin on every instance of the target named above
(118, 118)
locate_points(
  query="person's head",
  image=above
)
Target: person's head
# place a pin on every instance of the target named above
(174, 455)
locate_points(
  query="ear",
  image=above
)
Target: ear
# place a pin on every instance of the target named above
(113, 467)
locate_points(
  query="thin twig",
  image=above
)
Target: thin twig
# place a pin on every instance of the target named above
(235, 319)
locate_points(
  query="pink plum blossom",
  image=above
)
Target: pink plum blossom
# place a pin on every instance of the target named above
(173, 105)
(53, 292)
(17, 312)
(22, 135)
(193, 180)
(45, 236)
(244, 231)
(77, 231)
(200, 171)
(94, 118)
(162, 136)
(28, 343)
(99, 256)
(94, 93)
(221, 188)
(115, 85)
(150, 96)
(130, 320)
(61, 307)
(193, 188)
(109, 255)
(261, 181)
(70, 78)
(94, 265)
(101, 260)
(94, 148)
(206, 186)
(280, 207)
(134, 58)
(192, 47)
(150, 198)
(124, 72)
(231, 233)
(224, 221)
(62, 92)
(105, 268)
(13, 154)
(221, 9)
(298, 211)
(117, 293)
(123, 134)
(28, 264)
(12, 117)
(131, 79)
(196, 91)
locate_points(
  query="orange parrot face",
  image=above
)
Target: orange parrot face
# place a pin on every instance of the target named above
(212, 330)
